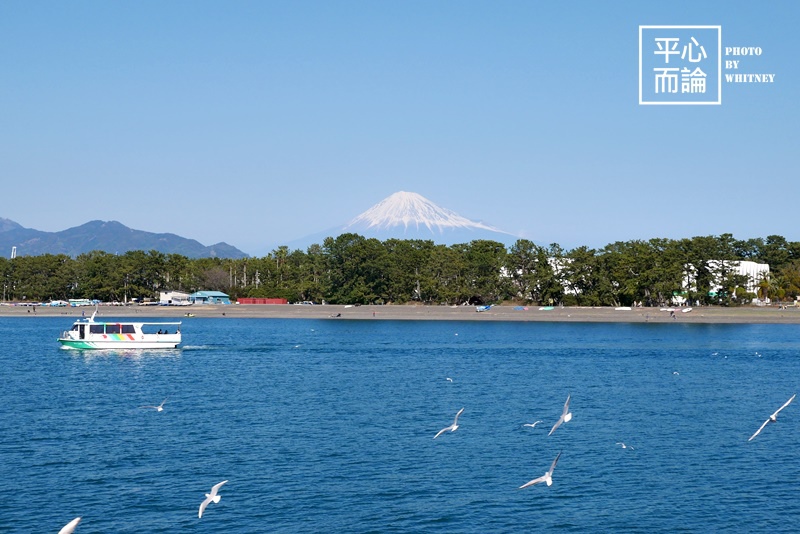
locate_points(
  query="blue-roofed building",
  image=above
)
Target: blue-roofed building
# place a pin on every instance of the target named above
(209, 297)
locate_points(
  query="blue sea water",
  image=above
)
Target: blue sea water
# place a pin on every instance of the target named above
(328, 425)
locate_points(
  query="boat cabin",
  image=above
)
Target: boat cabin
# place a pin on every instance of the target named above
(90, 334)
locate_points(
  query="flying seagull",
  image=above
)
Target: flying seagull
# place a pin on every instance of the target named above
(211, 497)
(624, 446)
(159, 408)
(532, 425)
(451, 428)
(69, 528)
(566, 416)
(546, 478)
(773, 418)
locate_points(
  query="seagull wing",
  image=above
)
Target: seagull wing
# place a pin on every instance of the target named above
(455, 422)
(215, 487)
(553, 467)
(759, 429)
(545, 477)
(69, 528)
(787, 403)
(209, 498)
(203, 506)
(558, 424)
(442, 431)
(534, 481)
(451, 427)
(561, 419)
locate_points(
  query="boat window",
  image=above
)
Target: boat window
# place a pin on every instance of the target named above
(128, 329)
(96, 328)
(159, 328)
(112, 329)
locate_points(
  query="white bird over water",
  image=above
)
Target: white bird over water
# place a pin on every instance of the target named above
(449, 379)
(451, 428)
(159, 408)
(211, 497)
(773, 418)
(69, 528)
(532, 425)
(624, 446)
(566, 416)
(547, 478)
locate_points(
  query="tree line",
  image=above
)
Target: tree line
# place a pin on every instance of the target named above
(352, 269)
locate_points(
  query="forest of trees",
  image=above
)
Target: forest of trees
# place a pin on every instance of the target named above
(351, 269)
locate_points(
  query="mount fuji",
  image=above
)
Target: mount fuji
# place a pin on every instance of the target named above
(405, 215)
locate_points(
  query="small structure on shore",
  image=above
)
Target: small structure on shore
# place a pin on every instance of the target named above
(259, 300)
(209, 297)
(174, 298)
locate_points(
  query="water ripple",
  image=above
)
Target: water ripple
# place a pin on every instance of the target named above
(329, 425)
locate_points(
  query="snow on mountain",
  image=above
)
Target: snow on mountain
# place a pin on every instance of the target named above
(406, 215)
(412, 210)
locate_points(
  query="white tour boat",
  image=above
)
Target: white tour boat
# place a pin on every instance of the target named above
(92, 334)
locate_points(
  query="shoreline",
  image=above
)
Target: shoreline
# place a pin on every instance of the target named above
(575, 314)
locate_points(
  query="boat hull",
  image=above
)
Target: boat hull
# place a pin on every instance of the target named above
(83, 344)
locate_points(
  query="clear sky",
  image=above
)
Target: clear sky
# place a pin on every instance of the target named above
(257, 123)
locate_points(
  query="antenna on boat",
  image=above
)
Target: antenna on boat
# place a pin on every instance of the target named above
(91, 320)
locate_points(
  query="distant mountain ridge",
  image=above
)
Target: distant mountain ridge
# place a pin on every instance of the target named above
(108, 236)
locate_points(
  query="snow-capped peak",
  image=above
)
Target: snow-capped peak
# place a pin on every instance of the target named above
(412, 210)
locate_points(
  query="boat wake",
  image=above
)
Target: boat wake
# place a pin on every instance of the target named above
(132, 354)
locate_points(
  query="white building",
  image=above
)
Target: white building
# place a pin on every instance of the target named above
(754, 273)
(174, 298)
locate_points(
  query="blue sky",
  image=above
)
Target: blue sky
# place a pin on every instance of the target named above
(257, 123)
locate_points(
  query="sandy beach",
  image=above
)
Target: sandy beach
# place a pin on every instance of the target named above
(706, 314)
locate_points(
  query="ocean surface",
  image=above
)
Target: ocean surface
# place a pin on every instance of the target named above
(328, 426)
